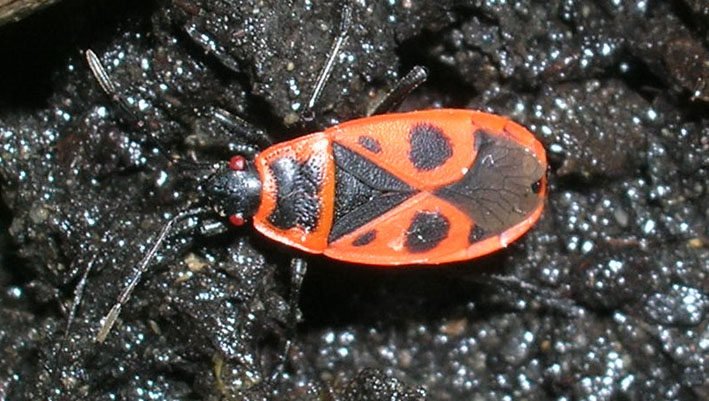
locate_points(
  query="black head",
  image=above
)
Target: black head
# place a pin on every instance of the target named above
(235, 190)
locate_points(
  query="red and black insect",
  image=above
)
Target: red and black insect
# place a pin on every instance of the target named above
(425, 187)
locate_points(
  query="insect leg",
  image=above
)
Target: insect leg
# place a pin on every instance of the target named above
(210, 46)
(398, 93)
(408, 83)
(544, 296)
(226, 135)
(252, 137)
(340, 40)
(298, 269)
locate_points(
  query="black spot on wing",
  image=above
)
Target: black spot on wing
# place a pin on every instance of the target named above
(363, 191)
(430, 148)
(365, 238)
(369, 143)
(537, 186)
(500, 189)
(476, 234)
(297, 187)
(426, 231)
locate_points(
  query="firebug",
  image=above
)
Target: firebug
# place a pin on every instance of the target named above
(424, 187)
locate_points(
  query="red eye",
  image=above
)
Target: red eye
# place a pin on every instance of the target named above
(237, 163)
(236, 219)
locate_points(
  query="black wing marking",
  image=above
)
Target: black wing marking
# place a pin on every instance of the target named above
(363, 191)
(499, 189)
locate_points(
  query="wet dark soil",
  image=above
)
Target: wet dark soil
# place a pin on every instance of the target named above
(614, 297)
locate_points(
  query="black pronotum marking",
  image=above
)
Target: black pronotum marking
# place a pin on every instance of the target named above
(297, 202)
(363, 191)
(365, 238)
(426, 231)
(430, 148)
(369, 143)
(500, 189)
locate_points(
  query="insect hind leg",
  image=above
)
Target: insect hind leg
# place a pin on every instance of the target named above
(337, 44)
(298, 268)
(545, 297)
(412, 80)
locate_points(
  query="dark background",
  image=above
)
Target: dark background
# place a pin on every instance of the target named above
(617, 268)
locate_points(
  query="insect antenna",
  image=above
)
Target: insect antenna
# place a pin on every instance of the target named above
(110, 318)
(78, 294)
(110, 89)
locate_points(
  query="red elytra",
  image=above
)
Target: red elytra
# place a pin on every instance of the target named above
(424, 187)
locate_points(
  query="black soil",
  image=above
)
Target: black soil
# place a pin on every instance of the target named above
(606, 298)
